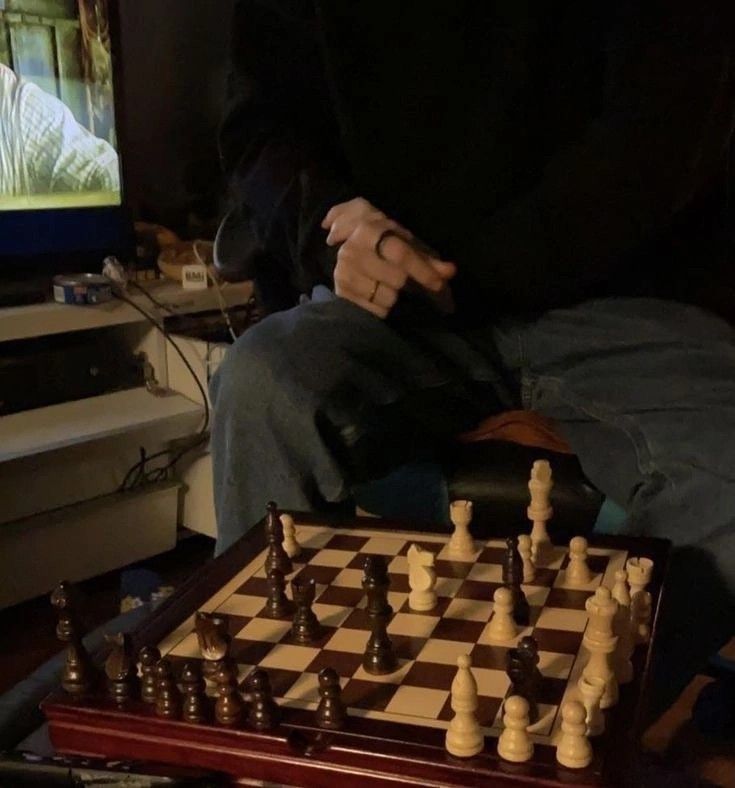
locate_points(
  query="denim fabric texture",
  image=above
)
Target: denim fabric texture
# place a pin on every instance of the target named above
(642, 389)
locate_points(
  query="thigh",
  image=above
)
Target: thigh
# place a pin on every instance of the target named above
(643, 389)
(384, 392)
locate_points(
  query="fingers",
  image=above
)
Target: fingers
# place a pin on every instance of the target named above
(429, 272)
(358, 227)
(342, 219)
(337, 210)
(371, 294)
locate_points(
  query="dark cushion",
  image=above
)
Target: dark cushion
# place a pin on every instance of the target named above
(494, 476)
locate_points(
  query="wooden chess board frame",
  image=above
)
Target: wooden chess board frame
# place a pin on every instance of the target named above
(368, 749)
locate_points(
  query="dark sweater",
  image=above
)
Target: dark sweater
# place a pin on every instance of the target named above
(554, 155)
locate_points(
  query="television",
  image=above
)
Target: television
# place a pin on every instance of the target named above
(62, 205)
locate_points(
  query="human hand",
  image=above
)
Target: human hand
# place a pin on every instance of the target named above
(378, 258)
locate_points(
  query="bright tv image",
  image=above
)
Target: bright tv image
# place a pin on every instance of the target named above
(58, 147)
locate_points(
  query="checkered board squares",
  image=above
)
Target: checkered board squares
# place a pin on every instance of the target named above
(426, 644)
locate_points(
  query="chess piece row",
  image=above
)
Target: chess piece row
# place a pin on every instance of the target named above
(465, 738)
(187, 698)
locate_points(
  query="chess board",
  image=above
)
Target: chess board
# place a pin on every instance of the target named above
(397, 722)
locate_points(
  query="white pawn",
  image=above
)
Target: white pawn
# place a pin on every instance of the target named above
(464, 734)
(578, 574)
(573, 749)
(525, 549)
(461, 545)
(623, 628)
(290, 545)
(502, 627)
(515, 744)
(421, 579)
(591, 690)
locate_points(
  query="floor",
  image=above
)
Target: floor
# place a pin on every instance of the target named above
(29, 629)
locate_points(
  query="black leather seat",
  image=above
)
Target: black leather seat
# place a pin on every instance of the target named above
(494, 476)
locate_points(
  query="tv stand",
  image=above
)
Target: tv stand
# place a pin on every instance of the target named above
(62, 513)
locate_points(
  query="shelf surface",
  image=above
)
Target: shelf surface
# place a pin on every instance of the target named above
(35, 320)
(55, 427)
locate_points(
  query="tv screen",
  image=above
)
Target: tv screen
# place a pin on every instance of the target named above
(60, 174)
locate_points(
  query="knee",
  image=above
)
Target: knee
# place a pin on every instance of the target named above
(293, 355)
(246, 371)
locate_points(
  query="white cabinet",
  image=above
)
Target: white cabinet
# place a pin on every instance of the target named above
(61, 515)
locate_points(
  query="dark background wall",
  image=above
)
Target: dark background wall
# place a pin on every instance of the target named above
(174, 56)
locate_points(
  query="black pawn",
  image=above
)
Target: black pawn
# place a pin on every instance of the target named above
(524, 674)
(264, 714)
(195, 699)
(278, 604)
(149, 657)
(121, 669)
(512, 578)
(229, 706)
(168, 698)
(379, 658)
(331, 712)
(306, 628)
(277, 556)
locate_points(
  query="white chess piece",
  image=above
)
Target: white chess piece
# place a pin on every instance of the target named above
(464, 734)
(540, 512)
(502, 628)
(640, 571)
(577, 574)
(623, 628)
(290, 545)
(600, 642)
(421, 579)
(573, 749)
(514, 743)
(525, 549)
(591, 691)
(461, 544)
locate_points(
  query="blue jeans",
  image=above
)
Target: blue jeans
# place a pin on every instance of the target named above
(643, 390)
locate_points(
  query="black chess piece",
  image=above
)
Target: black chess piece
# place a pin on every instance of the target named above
(306, 628)
(512, 578)
(195, 708)
(212, 630)
(79, 675)
(121, 669)
(524, 674)
(229, 706)
(331, 712)
(278, 605)
(168, 698)
(148, 657)
(277, 556)
(264, 713)
(379, 658)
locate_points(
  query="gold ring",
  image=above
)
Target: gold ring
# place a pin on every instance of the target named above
(374, 292)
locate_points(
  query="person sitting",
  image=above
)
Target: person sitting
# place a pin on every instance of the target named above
(489, 205)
